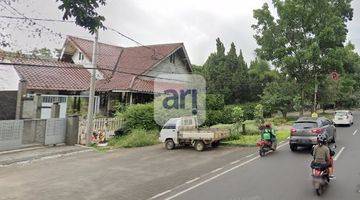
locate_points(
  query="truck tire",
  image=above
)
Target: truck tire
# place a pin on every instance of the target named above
(293, 147)
(199, 145)
(215, 144)
(169, 144)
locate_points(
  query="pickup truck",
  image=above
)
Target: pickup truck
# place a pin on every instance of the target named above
(184, 131)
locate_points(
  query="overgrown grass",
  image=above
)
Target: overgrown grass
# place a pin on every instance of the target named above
(250, 140)
(252, 134)
(136, 138)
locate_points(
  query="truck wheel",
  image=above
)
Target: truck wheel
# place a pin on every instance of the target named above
(215, 144)
(169, 144)
(199, 145)
(293, 147)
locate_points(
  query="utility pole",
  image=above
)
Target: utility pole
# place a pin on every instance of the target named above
(90, 114)
(315, 93)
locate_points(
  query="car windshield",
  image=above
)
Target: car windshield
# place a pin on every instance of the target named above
(340, 113)
(305, 125)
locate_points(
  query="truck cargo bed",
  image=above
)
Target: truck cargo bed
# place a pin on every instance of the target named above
(206, 134)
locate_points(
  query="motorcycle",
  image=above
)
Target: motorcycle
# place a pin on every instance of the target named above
(266, 146)
(320, 179)
(320, 175)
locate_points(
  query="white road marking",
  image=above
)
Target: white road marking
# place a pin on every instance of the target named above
(338, 154)
(161, 194)
(193, 180)
(249, 155)
(355, 132)
(236, 161)
(215, 170)
(216, 176)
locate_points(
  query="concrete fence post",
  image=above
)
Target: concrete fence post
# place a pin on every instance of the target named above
(37, 106)
(72, 130)
(19, 100)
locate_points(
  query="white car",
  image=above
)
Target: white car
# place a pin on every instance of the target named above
(343, 117)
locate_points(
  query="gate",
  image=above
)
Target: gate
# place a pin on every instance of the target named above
(11, 134)
(55, 131)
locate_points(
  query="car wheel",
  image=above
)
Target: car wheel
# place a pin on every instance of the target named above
(169, 144)
(293, 147)
(199, 146)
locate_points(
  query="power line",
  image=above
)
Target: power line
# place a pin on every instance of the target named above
(36, 19)
(27, 18)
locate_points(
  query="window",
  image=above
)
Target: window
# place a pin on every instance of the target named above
(172, 58)
(81, 56)
(305, 125)
(170, 126)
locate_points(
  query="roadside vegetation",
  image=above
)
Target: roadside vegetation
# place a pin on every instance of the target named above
(135, 138)
(299, 68)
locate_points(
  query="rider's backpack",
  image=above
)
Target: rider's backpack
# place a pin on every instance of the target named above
(267, 135)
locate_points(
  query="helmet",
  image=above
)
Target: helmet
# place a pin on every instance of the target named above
(321, 138)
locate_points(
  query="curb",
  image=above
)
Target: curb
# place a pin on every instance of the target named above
(30, 159)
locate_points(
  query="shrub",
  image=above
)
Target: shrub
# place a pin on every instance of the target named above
(249, 110)
(215, 102)
(278, 120)
(238, 116)
(227, 117)
(140, 116)
(259, 114)
(213, 117)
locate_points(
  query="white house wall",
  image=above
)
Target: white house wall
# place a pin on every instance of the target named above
(166, 67)
(86, 63)
(9, 79)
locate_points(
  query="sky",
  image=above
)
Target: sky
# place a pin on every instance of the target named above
(196, 23)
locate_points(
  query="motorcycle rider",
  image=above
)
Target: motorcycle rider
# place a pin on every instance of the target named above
(322, 155)
(268, 133)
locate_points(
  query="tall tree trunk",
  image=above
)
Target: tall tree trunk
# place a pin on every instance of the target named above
(302, 102)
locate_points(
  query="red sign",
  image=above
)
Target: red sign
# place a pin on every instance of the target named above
(335, 76)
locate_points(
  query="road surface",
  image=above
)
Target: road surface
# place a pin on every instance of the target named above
(280, 175)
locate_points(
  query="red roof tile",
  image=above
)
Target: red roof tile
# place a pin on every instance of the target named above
(130, 62)
(52, 75)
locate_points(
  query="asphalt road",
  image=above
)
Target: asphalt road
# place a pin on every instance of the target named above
(280, 175)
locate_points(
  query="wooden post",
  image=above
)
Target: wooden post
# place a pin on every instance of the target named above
(131, 98)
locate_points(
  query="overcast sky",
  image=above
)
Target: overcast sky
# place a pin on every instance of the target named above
(196, 23)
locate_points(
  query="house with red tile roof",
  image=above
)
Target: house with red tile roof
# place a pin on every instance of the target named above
(124, 74)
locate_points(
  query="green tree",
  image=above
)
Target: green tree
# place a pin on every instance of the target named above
(239, 118)
(43, 53)
(260, 74)
(217, 74)
(226, 74)
(259, 114)
(84, 12)
(280, 96)
(306, 40)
